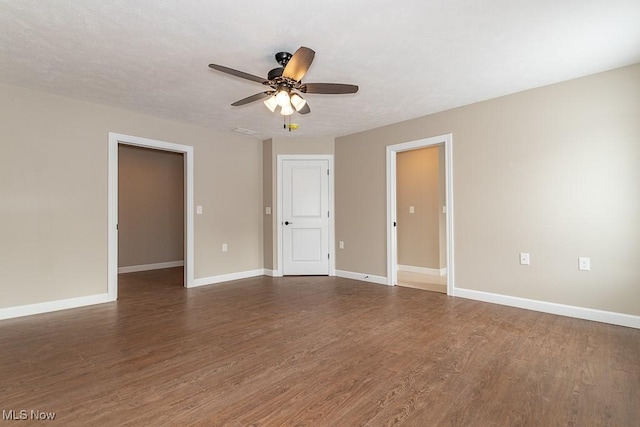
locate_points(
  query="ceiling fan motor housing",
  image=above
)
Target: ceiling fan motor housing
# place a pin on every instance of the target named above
(275, 73)
(283, 58)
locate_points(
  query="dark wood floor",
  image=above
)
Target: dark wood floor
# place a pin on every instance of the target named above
(314, 351)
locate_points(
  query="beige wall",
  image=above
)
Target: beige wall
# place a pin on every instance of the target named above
(551, 171)
(150, 206)
(417, 185)
(271, 149)
(53, 188)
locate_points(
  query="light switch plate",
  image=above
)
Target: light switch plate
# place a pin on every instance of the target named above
(267, 210)
(341, 244)
(525, 258)
(224, 247)
(198, 210)
(584, 264)
(412, 209)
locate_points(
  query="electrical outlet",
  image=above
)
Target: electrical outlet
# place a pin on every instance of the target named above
(412, 209)
(584, 264)
(524, 258)
(198, 210)
(267, 210)
(224, 247)
(341, 244)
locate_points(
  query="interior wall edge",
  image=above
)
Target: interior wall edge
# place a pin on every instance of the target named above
(50, 306)
(147, 267)
(363, 277)
(613, 318)
(212, 280)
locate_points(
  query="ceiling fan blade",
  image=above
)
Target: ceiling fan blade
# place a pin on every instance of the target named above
(237, 73)
(253, 98)
(299, 64)
(305, 109)
(328, 88)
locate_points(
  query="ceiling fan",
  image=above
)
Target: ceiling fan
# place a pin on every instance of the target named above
(285, 83)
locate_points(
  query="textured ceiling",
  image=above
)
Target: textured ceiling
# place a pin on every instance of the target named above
(410, 58)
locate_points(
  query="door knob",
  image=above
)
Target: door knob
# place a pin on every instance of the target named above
(287, 223)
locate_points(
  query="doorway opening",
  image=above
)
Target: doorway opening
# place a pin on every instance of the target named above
(420, 214)
(150, 209)
(116, 140)
(421, 228)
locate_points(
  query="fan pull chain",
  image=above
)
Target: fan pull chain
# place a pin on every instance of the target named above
(284, 120)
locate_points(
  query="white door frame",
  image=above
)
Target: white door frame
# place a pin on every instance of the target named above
(281, 158)
(187, 150)
(392, 243)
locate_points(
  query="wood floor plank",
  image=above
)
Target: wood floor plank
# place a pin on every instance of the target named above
(319, 351)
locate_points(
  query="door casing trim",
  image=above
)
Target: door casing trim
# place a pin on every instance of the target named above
(112, 257)
(392, 243)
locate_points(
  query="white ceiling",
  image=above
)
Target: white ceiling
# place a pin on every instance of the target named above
(410, 58)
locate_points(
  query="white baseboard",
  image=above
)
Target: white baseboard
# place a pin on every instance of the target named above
(423, 270)
(203, 281)
(613, 318)
(270, 273)
(46, 307)
(381, 280)
(146, 267)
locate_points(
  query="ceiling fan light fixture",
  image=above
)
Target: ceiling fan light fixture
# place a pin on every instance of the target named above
(297, 101)
(287, 110)
(271, 103)
(283, 98)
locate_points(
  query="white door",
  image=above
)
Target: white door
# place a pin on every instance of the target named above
(305, 217)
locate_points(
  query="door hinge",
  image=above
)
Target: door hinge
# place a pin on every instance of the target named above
(327, 214)
(327, 171)
(328, 256)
